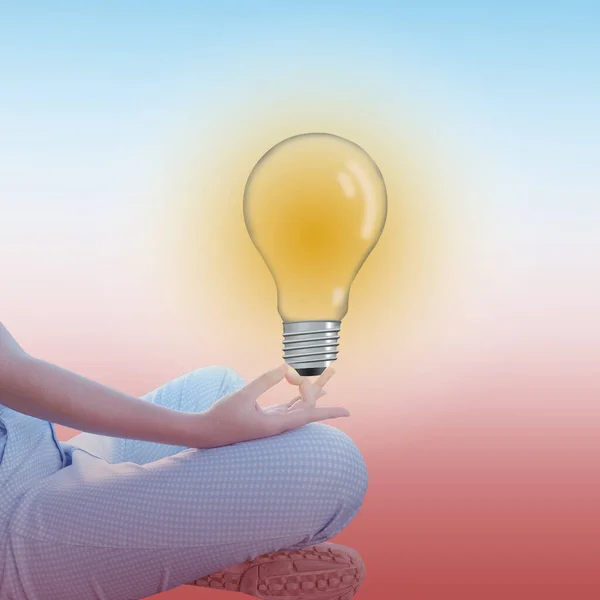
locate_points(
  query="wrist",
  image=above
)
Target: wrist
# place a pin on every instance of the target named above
(186, 429)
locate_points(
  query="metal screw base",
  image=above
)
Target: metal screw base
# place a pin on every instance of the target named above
(310, 346)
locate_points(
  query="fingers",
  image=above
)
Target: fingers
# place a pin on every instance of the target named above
(293, 401)
(325, 376)
(299, 398)
(296, 379)
(310, 392)
(267, 380)
(327, 412)
(293, 376)
(303, 416)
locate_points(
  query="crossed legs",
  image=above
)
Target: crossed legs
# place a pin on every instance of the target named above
(128, 519)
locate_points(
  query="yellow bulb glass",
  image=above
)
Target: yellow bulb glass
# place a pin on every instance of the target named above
(315, 206)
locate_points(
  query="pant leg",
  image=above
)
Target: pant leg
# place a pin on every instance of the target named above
(194, 392)
(125, 530)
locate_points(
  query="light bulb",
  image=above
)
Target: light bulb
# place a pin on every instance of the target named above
(314, 205)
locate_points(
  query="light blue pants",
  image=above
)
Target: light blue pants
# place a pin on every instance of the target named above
(116, 519)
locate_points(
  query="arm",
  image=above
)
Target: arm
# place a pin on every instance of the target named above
(37, 388)
(40, 389)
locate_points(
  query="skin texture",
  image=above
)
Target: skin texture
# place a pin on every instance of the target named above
(40, 389)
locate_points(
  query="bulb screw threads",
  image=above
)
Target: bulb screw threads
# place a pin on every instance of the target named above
(310, 346)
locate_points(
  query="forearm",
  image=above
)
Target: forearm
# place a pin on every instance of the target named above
(37, 388)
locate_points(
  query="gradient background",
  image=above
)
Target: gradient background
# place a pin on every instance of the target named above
(469, 354)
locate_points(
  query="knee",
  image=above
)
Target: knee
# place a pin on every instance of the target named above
(348, 469)
(341, 466)
(220, 380)
(231, 380)
(332, 480)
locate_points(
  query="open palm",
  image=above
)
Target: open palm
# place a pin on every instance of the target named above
(238, 416)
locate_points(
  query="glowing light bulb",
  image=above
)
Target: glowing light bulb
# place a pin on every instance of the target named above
(315, 206)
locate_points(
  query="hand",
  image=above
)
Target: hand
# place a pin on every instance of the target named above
(239, 418)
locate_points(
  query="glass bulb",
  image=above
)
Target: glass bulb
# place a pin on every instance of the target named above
(315, 206)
